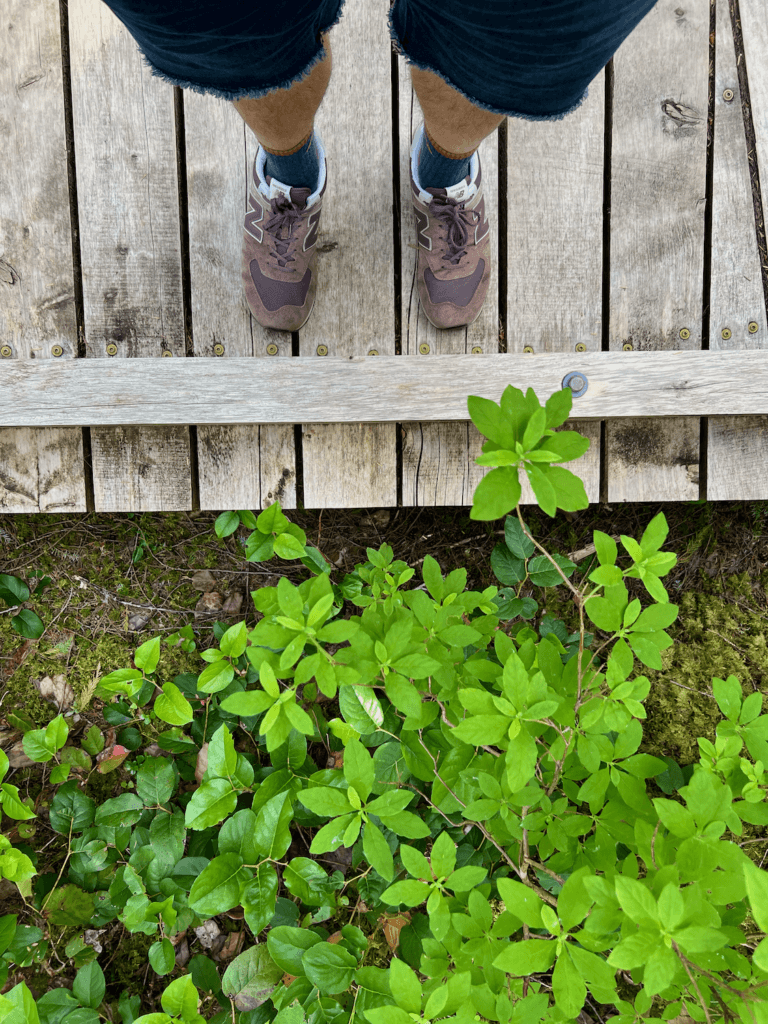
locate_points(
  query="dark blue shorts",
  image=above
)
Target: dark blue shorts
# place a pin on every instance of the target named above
(532, 60)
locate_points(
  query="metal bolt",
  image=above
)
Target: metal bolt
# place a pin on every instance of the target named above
(424, 348)
(581, 347)
(218, 349)
(528, 348)
(322, 350)
(752, 327)
(728, 95)
(628, 347)
(685, 333)
(577, 382)
(6, 352)
(271, 349)
(477, 350)
(57, 350)
(111, 349)
(726, 333)
(373, 352)
(167, 352)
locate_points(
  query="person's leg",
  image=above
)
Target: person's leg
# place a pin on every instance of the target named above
(454, 126)
(283, 120)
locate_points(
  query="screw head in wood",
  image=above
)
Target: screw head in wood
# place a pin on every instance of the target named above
(728, 95)
(167, 352)
(752, 327)
(111, 349)
(57, 350)
(528, 348)
(577, 382)
(725, 333)
(581, 347)
(271, 349)
(685, 333)
(628, 346)
(218, 349)
(322, 350)
(477, 350)
(424, 348)
(373, 352)
(6, 352)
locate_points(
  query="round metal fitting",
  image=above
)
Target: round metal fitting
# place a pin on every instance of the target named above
(424, 348)
(166, 352)
(322, 350)
(57, 350)
(111, 349)
(528, 348)
(685, 333)
(581, 347)
(752, 327)
(218, 349)
(271, 349)
(373, 352)
(629, 347)
(477, 350)
(726, 333)
(577, 382)
(728, 95)
(6, 352)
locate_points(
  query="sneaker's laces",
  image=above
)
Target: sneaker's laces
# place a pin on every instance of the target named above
(284, 214)
(456, 220)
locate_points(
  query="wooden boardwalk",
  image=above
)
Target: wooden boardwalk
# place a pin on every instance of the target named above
(121, 215)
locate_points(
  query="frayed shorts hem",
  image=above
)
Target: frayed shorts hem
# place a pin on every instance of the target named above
(242, 92)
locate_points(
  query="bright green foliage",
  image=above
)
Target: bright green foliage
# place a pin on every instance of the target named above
(487, 781)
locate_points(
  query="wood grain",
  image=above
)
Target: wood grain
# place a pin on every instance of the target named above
(352, 466)
(125, 153)
(658, 186)
(754, 28)
(737, 447)
(40, 470)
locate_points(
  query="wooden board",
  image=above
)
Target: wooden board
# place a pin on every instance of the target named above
(239, 466)
(355, 465)
(737, 447)
(40, 470)
(555, 249)
(754, 29)
(658, 185)
(371, 391)
(130, 243)
(439, 458)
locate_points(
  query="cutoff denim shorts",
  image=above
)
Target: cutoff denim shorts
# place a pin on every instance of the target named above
(531, 59)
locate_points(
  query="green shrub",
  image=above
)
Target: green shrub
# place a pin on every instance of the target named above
(487, 786)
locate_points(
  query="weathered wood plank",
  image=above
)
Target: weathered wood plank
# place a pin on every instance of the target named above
(239, 466)
(125, 155)
(737, 448)
(353, 466)
(439, 458)
(555, 247)
(658, 183)
(754, 28)
(40, 470)
(370, 391)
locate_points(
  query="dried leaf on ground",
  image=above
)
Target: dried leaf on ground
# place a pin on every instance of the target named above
(138, 621)
(209, 604)
(207, 933)
(17, 758)
(232, 604)
(203, 580)
(182, 953)
(232, 946)
(57, 691)
(202, 763)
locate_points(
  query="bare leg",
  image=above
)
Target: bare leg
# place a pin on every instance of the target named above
(455, 126)
(283, 120)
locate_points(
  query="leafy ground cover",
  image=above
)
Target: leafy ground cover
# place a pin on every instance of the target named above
(113, 776)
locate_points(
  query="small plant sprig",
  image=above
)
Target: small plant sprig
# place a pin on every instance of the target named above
(486, 777)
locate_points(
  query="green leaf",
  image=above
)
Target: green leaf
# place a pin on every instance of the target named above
(507, 568)
(156, 781)
(148, 655)
(288, 547)
(558, 407)
(259, 898)
(89, 985)
(122, 810)
(490, 421)
(222, 758)
(604, 613)
(409, 892)
(521, 901)
(757, 889)
(728, 694)
(635, 900)
(700, 940)
(272, 520)
(675, 817)
(325, 800)
(28, 624)
(542, 488)
(180, 998)
(405, 986)
(217, 889)
(210, 804)
(329, 967)
(56, 733)
(568, 987)
(482, 730)
(23, 1003)
(226, 524)
(377, 852)
(251, 978)
(247, 703)
(655, 534)
(534, 429)
(497, 493)
(13, 590)
(172, 706)
(287, 947)
(273, 825)
(34, 746)
(71, 808)
(360, 707)
(443, 855)
(529, 956)
(466, 878)
(519, 544)
(358, 768)
(212, 679)
(12, 805)
(162, 957)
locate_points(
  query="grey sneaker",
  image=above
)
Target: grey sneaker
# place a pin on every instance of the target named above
(452, 232)
(279, 247)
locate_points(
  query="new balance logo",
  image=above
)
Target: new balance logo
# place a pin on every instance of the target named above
(314, 225)
(482, 227)
(422, 226)
(252, 219)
